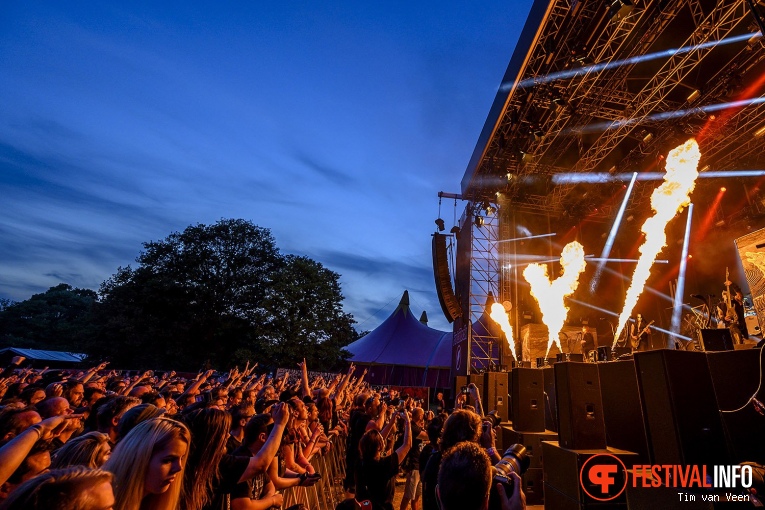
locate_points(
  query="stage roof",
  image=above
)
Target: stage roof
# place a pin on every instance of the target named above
(595, 86)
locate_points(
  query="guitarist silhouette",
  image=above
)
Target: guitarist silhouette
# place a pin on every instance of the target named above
(734, 318)
(640, 334)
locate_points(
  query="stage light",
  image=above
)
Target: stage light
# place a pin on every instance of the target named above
(619, 9)
(723, 189)
(705, 168)
(455, 230)
(478, 220)
(677, 305)
(694, 96)
(612, 235)
(759, 132)
(648, 137)
(440, 224)
(596, 68)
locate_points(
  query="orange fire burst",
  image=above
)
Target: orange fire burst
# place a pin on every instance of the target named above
(551, 294)
(499, 316)
(667, 200)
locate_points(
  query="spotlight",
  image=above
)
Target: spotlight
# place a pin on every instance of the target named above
(455, 230)
(759, 132)
(478, 220)
(440, 224)
(648, 137)
(694, 96)
(490, 210)
(723, 189)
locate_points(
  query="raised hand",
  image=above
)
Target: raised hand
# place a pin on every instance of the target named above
(279, 414)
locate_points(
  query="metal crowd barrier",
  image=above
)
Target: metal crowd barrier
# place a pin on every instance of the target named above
(328, 492)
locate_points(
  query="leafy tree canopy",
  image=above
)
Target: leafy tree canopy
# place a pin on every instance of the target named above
(222, 293)
(60, 318)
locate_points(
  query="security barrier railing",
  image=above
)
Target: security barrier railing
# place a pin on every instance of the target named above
(328, 492)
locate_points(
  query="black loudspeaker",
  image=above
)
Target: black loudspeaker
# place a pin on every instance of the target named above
(533, 486)
(531, 440)
(551, 407)
(562, 470)
(447, 299)
(735, 377)
(459, 382)
(716, 340)
(622, 414)
(681, 416)
(478, 380)
(528, 397)
(495, 394)
(580, 406)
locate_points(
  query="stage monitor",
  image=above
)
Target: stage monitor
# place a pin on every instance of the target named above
(716, 340)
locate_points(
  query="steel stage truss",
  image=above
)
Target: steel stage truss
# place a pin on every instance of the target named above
(484, 284)
(540, 127)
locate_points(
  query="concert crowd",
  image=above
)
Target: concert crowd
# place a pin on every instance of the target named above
(100, 439)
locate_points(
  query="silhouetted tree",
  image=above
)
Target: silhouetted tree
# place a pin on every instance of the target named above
(222, 293)
(60, 318)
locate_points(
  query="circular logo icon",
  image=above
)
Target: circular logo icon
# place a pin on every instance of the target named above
(603, 477)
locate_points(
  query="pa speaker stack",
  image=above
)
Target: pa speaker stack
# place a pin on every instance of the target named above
(682, 419)
(495, 394)
(528, 415)
(582, 442)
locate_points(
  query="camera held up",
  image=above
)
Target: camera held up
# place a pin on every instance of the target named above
(515, 460)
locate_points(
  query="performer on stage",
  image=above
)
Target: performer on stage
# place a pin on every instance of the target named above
(640, 334)
(588, 342)
(734, 317)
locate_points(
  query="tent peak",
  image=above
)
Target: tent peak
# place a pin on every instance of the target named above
(404, 299)
(424, 318)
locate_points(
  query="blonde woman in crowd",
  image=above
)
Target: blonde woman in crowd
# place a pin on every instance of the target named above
(148, 465)
(90, 450)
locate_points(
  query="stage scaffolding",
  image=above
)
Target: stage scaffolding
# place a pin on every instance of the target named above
(485, 278)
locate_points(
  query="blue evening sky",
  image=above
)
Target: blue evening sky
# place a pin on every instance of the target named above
(335, 124)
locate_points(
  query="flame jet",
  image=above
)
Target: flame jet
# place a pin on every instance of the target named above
(499, 315)
(667, 200)
(550, 294)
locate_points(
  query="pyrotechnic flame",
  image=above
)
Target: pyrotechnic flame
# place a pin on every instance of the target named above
(667, 200)
(550, 295)
(499, 315)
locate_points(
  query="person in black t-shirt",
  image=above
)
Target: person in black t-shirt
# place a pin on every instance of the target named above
(375, 475)
(462, 425)
(413, 487)
(587, 340)
(210, 474)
